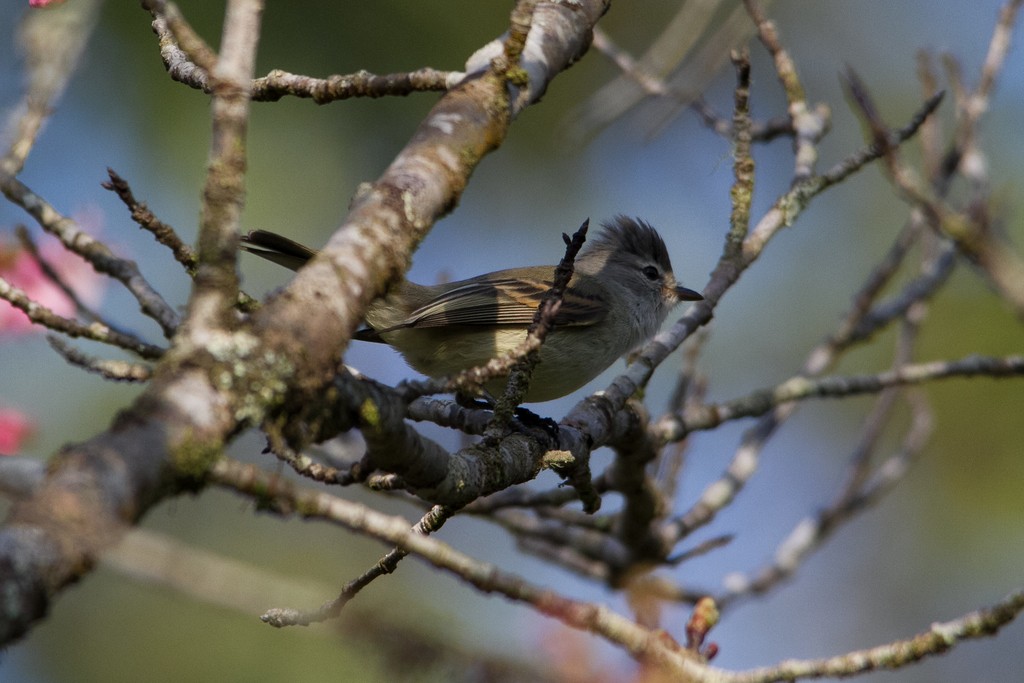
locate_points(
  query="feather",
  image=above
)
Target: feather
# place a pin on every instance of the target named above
(501, 302)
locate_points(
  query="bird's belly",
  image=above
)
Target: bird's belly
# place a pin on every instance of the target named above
(569, 358)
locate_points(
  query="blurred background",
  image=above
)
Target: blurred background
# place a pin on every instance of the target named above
(948, 540)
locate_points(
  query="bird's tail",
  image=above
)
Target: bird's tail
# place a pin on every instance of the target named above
(274, 247)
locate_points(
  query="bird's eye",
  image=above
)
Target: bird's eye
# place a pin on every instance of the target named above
(651, 273)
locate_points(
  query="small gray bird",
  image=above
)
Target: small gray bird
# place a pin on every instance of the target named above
(618, 297)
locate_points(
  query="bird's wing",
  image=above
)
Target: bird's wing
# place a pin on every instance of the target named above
(502, 302)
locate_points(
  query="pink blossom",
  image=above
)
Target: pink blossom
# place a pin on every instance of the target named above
(43, 3)
(21, 270)
(15, 427)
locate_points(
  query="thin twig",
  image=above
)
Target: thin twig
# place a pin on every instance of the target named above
(175, 33)
(56, 278)
(527, 354)
(279, 83)
(146, 220)
(938, 639)
(305, 465)
(114, 370)
(653, 85)
(41, 315)
(280, 617)
(843, 169)
(742, 191)
(801, 387)
(809, 124)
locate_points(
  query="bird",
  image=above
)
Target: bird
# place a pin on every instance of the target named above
(620, 293)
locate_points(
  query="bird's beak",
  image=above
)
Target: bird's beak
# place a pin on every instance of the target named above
(685, 294)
